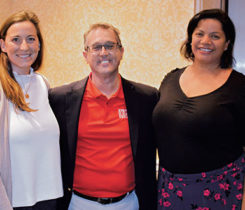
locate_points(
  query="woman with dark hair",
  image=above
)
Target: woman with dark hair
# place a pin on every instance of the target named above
(30, 174)
(199, 121)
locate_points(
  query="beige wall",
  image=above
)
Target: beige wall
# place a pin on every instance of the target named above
(151, 32)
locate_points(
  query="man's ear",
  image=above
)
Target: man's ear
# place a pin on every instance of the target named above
(122, 52)
(85, 55)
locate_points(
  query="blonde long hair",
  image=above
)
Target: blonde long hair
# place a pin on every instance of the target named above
(11, 88)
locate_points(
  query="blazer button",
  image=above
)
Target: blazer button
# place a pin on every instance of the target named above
(69, 189)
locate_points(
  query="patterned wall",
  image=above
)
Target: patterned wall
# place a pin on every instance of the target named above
(151, 32)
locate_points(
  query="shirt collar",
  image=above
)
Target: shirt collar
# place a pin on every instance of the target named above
(95, 93)
(27, 75)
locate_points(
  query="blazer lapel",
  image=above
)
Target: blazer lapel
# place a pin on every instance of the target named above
(133, 113)
(73, 104)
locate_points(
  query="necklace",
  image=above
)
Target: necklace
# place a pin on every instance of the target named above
(25, 90)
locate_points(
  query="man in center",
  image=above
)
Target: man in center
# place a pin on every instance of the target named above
(108, 149)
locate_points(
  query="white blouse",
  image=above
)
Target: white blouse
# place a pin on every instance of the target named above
(34, 146)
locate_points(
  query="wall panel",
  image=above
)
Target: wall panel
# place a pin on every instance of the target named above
(151, 31)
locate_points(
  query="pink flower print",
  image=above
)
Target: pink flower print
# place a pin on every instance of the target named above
(221, 186)
(220, 177)
(225, 172)
(233, 207)
(165, 195)
(230, 165)
(160, 202)
(239, 196)
(163, 170)
(179, 193)
(166, 204)
(233, 175)
(224, 201)
(170, 186)
(203, 175)
(217, 196)
(239, 186)
(202, 208)
(184, 184)
(180, 179)
(163, 190)
(224, 186)
(206, 192)
(234, 183)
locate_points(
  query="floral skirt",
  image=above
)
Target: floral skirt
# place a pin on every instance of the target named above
(220, 189)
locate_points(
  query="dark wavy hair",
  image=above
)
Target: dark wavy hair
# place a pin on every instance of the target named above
(227, 60)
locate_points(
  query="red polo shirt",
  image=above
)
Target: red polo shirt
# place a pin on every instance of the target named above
(104, 164)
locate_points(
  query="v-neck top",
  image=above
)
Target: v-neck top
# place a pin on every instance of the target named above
(200, 133)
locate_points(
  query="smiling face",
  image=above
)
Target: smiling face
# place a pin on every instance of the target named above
(21, 44)
(208, 42)
(103, 62)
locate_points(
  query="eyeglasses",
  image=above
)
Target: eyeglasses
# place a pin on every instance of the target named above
(108, 46)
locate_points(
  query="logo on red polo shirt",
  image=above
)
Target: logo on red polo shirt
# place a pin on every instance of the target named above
(122, 113)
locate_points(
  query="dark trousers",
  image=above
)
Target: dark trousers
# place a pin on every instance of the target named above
(42, 205)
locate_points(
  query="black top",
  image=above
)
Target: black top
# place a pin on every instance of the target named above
(201, 133)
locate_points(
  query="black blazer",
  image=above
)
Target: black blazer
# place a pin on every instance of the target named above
(140, 100)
